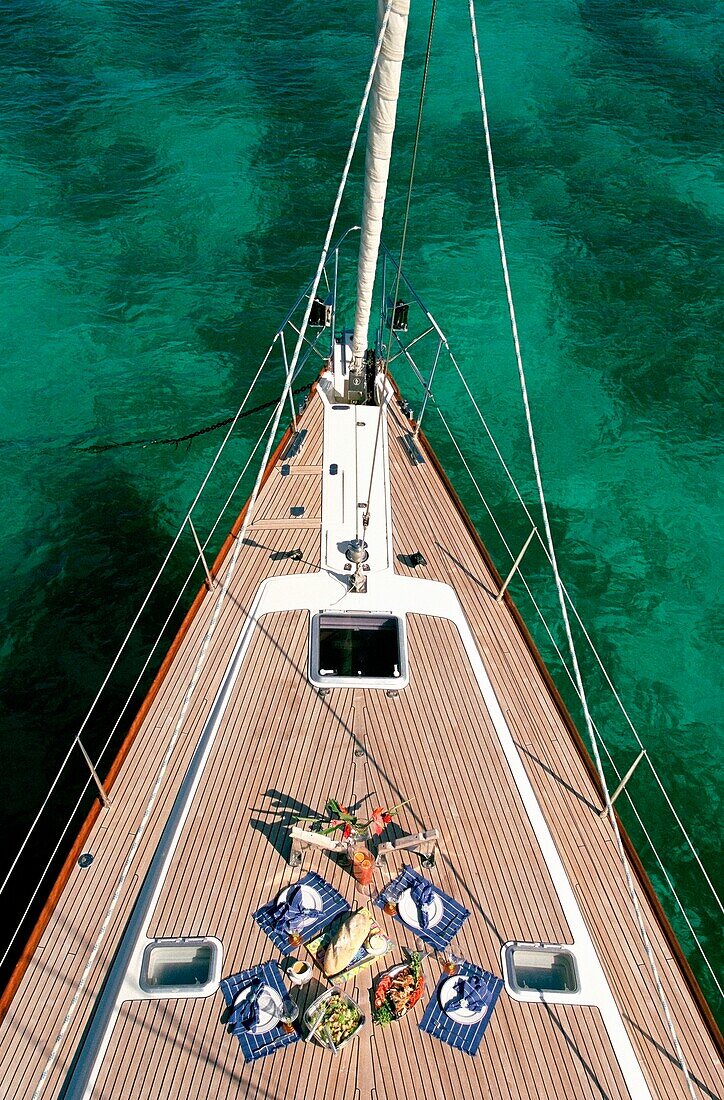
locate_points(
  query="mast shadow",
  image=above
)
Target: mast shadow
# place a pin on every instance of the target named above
(558, 779)
(647, 1037)
(463, 569)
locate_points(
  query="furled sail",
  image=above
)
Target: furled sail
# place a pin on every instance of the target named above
(383, 111)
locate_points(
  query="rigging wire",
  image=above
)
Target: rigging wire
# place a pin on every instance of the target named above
(108, 740)
(554, 563)
(385, 368)
(137, 616)
(579, 620)
(76, 739)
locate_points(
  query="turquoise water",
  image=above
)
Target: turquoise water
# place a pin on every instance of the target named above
(166, 175)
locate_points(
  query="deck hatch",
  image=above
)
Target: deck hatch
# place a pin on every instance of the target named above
(535, 969)
(181, 967)
(350, 648)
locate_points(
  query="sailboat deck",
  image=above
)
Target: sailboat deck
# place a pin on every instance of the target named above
(283, 750)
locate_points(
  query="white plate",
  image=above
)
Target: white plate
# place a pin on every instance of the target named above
(407, 908)
(310, 900)
(448, 992)
(267, 1017)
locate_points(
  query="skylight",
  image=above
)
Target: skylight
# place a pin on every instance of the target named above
(348, 649)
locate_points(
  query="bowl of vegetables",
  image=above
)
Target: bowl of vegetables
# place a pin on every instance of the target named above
(333, 1020)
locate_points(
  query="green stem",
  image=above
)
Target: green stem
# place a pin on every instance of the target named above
(399, 806)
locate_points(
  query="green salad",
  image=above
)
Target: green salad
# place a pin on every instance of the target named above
(339, 1018)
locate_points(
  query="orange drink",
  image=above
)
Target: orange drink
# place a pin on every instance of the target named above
(363, 866)
(449, 962)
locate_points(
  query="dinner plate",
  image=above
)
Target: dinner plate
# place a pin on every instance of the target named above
(268, 1016)
(407, 908)
(448, 992)
(310, 900)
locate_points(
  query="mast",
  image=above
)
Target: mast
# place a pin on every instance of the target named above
(383, 112)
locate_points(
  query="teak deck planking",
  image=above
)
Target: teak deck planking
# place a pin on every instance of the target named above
(282, 752)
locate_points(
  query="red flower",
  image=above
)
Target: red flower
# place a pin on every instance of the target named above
(387, 818)
(347, 831)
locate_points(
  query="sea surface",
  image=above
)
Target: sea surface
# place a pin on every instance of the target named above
(167, 169)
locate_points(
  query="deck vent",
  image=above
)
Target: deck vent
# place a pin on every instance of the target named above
(181, 967)
(540, 971)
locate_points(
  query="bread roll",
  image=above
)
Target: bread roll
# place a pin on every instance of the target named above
(347, 941)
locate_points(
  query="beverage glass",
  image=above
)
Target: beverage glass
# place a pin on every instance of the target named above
(391, 897)
(295, 939)
(449, 961)
(363, 866)
(266, 1004)
(288, 1014)
(423, 949)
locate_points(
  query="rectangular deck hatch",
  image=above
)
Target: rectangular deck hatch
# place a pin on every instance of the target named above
(181, 967)
(357, 648)
(535, 969)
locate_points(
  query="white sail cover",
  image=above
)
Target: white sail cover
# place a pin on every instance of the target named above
(383, 111)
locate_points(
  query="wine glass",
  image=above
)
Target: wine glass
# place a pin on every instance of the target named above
(391, 896)
(295, 939)
(422, 948)
(288, 1014)
(449, 961)
(266, 1005)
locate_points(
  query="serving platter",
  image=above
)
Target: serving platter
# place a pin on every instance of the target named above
(383, 983)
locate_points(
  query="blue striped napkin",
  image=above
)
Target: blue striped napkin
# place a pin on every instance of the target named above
(464, 1037)
(453, 917)
(332, 905)
(258, 1046)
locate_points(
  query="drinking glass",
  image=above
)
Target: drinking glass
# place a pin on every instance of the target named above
(288, 1014)
(449, 961)
(295, 939)
(391, 896)
(423, 949)
(363, 865)
(266, 1004)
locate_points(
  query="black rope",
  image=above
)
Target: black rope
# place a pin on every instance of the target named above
(98, 448)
